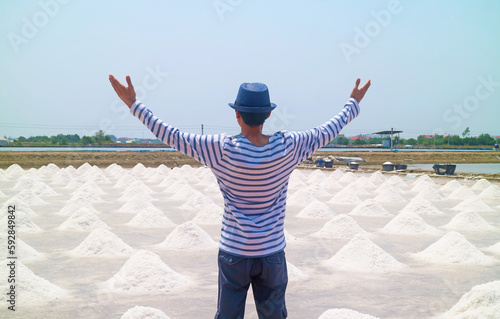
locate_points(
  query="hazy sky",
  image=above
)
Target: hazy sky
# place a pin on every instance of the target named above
(434, 65)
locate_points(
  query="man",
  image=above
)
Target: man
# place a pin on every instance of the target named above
(252, 170)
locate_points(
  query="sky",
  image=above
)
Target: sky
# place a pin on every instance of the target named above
(434, 65)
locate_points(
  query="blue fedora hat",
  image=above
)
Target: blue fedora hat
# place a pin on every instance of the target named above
(253, 98)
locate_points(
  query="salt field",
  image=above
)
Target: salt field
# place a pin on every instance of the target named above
(142, 243)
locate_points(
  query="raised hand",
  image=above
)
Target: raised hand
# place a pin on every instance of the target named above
(126, 94)
(359, 93)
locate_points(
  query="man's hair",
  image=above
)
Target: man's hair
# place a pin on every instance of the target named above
(254, 119)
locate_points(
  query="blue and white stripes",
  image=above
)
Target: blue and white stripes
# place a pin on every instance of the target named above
(253, 179)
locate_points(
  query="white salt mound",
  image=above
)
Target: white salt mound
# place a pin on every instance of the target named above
(197, 201)
(461, 193)
(151, 217)
(370, 207)
(491, 191)
(30, 289)
(188, 236)
(473, 203)
(348, 178)
(453, 248)
(362, 255)
(29, 197)
(421, 206)
(145, 272)
(139, 312)
(345, 197)
(84, 219)
(481, 184)
(316, 209)
(23, 250)
(24, 225)
(341, 227)
(408, 223)
(495, 249)
(377, 178)
(301, 198)
(344, 314)
(430, 193)
(470, 221)
(318, 190)
(134, 205)
(14, 170)
(331, 183)
(450, 186)
(102, 242)
(316, 177)
(395, 180)
(294, 273)
(389, 196)
(481, 302)
(356, 188)
(289, 237)
(18, 205)
(74, 205)
(209, 215)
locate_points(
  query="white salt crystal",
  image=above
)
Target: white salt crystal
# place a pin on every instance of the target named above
(102, 242)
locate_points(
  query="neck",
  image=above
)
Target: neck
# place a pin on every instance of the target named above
(254, 134)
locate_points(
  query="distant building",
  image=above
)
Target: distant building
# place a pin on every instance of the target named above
(4, 141)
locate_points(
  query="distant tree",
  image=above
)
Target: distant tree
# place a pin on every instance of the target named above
(22, 139)
(343, 141)
(99, 137)
(359, 141)
(64, 141)
(411, 141)
(86, 140)
(485, 139)
(466, 132)
(53, 140)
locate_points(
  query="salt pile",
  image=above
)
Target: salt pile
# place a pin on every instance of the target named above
(139, 312)
(137, 193)
(145, 272)
(450, 186)
(23, 250)
(430, 193)
(364, 182)
(495, 249)
(453, 248)
(30, 289)
(27, 180)
(19, 205)
(197, 201)
(389, 195)
(362, 255)
(139, 169)
(102, 242)
(340, 227)
(14, 170)
(348, 178)
(188, 236)
(3, 175)
(84, 219)
(90, 196)
(421, 206)
(470, 221)
(62, 177)
(29, 197)
(408, 223)
(211, 214)
(24, 224)
(208, 180)
(2, 194)
(370, 207)
(76, 182)
(184, 191)
(289, 237)
(395, 180)
(331, 183)
(155, 178)
(301, 197)
(481, 302)
(294, 273)
(95, 174)
(420, 184)
(83, 168)
(317, 176)
(296, 184)
(73, 205)
(481, 184)
(461, 193)
(134, 205)
(151, 217)
(491, 191)
(473, 203)
(344, 314)
(316, 209)
(318, 190)
(344, 197)
(386, 187)
(126, 180)
(377, 178)
(356, 188)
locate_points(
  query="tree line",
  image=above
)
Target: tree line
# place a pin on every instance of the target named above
(99, 138)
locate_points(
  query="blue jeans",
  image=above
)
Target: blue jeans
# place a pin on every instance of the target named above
(268, 276)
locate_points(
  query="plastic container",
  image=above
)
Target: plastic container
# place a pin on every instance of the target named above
(388, 167)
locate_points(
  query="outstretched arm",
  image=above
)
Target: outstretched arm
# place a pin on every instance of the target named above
(126, 94)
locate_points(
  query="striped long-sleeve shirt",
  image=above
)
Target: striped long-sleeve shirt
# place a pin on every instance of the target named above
(253, 179)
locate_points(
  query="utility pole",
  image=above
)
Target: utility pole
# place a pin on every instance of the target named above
(392, 132)
(201, 129)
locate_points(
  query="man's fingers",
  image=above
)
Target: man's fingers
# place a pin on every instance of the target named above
(129, 81)
(366, 85)
(357, 83)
